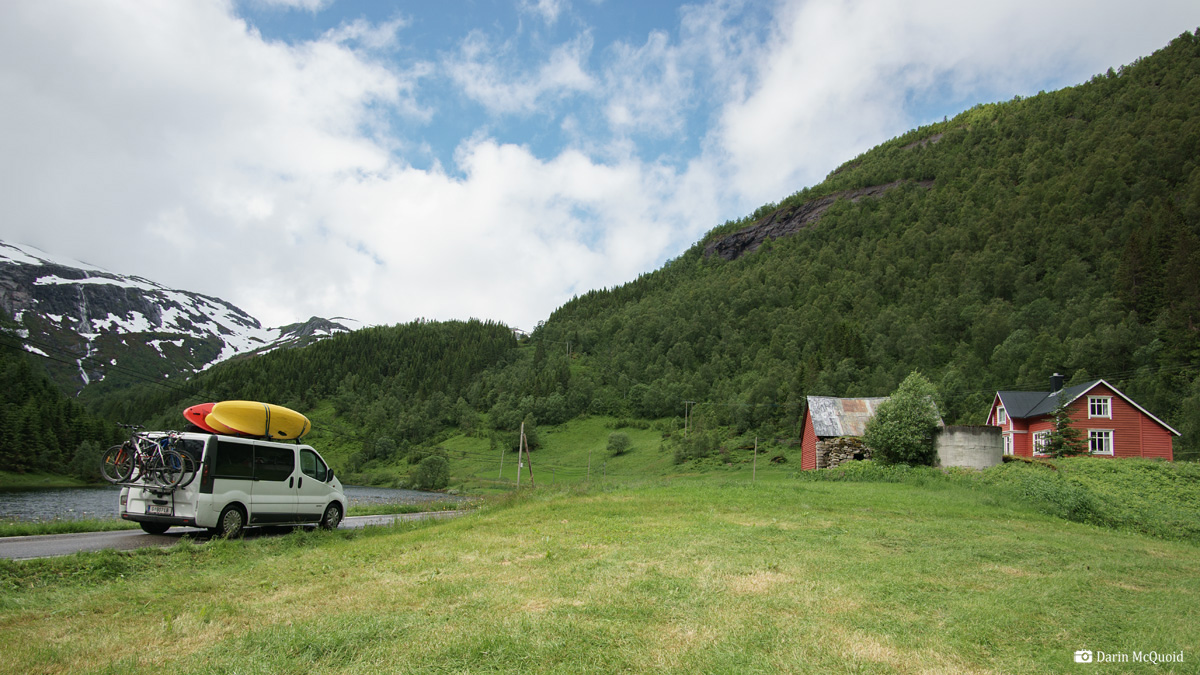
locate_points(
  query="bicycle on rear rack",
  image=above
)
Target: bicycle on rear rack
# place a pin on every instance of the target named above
(148, 460)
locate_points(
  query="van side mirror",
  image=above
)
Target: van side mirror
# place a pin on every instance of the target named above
(329, 475)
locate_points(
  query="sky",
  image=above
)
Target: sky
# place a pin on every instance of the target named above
(491, 159)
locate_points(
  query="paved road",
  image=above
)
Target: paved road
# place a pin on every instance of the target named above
(50, 545)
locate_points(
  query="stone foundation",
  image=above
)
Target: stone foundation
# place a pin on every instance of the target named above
(834, 451)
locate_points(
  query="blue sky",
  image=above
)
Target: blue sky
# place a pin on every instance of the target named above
(481, 158)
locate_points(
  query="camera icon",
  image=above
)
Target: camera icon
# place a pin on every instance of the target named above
(1083, 656)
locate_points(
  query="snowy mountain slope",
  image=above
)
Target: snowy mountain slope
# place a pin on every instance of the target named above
(93, 325)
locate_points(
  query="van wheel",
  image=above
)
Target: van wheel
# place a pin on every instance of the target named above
(155, 528)
(232, 522)
(332, 517)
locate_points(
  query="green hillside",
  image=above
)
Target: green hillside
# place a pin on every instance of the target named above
(1057, 233)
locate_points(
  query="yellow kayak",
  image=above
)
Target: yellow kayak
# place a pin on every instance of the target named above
(254, 418)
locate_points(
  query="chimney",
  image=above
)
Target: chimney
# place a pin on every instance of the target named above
(1056, 383)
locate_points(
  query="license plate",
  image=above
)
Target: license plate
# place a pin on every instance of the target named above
(157, 510)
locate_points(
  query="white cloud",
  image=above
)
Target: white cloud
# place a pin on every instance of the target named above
(648, 88)
(547, 10)
(367, 35)
(490, 75)
(177, 144)
(306, 5)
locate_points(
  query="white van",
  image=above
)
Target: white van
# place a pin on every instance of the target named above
(240, 482)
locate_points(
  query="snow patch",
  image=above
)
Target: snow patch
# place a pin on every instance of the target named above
(30, 255)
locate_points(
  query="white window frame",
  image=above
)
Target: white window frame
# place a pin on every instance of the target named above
(1100, 407)
(1001, 416)
(1107, 441)
(1041, 439)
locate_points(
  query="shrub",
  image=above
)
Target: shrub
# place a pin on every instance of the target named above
(433, 473)
(903, 427)
(618, 443)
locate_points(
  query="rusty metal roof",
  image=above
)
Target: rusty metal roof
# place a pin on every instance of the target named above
(841, 416)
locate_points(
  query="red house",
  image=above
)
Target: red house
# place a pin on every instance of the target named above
(1115, 426)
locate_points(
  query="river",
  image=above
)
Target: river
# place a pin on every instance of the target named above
(101, 501)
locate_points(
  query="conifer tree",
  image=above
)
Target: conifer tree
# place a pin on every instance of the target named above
(1065, 439)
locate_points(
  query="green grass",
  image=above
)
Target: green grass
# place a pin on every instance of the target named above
(24, 528)
(423, 507)
(1147, 496)
(670, 576)
(576, 452)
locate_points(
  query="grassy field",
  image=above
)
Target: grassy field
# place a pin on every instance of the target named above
(686, 576)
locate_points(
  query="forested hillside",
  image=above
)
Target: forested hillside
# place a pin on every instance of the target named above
(40, 428)
(402, 381)
(1055, 233)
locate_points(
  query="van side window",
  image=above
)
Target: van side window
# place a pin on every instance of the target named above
(272, 463)
(234, 460)
(312, 465)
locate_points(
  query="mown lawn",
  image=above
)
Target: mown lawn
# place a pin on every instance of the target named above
(687, 576)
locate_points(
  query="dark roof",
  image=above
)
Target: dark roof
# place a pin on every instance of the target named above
(1023, 404)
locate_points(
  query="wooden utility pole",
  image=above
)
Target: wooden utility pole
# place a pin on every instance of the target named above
(589, 464)
(501, 459)
(524, 445)
(754, 471)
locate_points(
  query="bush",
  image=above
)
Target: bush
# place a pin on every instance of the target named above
(433, 473)
(618, 443)
(901, 432)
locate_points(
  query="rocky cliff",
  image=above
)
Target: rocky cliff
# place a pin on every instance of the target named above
(791, 220)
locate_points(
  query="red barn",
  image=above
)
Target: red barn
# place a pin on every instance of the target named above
(827, 417)
(1113, 424)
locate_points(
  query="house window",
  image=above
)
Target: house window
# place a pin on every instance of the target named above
(1041, 441)
(1100, 441)
(1008, 443)
(1001, 416)
(1100, 406)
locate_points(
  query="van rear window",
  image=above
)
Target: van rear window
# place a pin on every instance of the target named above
(191, 447)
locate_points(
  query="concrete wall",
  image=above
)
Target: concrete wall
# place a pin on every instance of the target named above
(971, 447)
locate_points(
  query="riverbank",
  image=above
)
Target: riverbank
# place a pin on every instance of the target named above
(35, 480)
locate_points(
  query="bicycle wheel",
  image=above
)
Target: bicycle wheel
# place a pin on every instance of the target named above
(189, 470)
(116, 465)
(171, 468)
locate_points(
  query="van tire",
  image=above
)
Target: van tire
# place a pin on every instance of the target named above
(155, 528)
(232, 522)
(332, 517)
